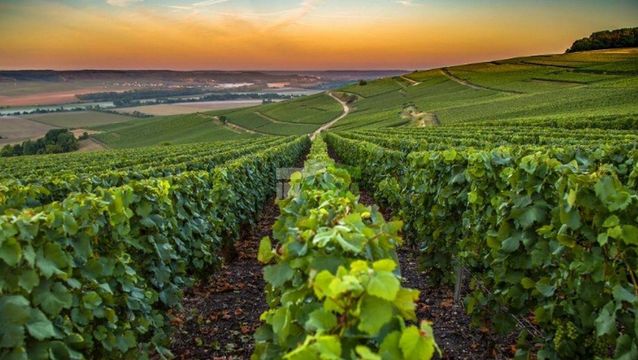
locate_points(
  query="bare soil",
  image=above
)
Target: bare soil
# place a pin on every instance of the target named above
(79, 132)
(15, 130)
(49, 98)
(189, 107)
(89, 145)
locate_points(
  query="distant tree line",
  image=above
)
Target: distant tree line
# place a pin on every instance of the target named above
(126, 97)
(55, 141)
(56, 110)
(170, 96)
(135, 113)
(627, 37)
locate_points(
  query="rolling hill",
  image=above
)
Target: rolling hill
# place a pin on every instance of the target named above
(581, 85)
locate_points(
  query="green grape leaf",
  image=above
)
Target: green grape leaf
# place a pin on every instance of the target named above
(384, 265)
(409, 340)
(511, 244)
(405, 302)
(365, 353)
(51, 260)
(622, 294)
(280, 322)
(383, 284)
(265, 253)
(611, 221)
(608, 191)
(52, 299)
(321, 284)
(527, 283)
(389, 348)
(345, 284)
(277, 275)
(39, 326)
(531, 215)
(321, 320)
(630, 234)
(10, 251)
(91, 300)
(375, 313)
(416, 346)
(329, 347)
(626, 348)
(606, 320)
(545, 288)
(28, 280)
(14, 314)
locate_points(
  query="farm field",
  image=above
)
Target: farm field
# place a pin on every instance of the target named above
(305, 115)
(78, 119)
(48, 93)
(189, 107)
(15, 129)
(293, 117)
(176, 129)
(504, 192)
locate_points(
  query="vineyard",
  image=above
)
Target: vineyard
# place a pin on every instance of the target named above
(519, 196)
(92, 261)
(542, 219)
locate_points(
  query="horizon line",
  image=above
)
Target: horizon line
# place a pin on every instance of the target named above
(214, 70)
(424, 68)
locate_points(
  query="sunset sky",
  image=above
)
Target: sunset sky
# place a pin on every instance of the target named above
(292, 34)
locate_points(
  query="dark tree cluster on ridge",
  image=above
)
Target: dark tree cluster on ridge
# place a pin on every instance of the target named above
(627, 37)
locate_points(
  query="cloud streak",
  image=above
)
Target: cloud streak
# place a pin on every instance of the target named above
(197, 5)
(122, 3)
(294, 15)
(264, 21)
(407, 3)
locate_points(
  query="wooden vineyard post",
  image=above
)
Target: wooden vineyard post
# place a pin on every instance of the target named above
(458, 282)
(283, 178)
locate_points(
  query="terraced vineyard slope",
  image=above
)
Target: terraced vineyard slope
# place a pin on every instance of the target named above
(559, 87)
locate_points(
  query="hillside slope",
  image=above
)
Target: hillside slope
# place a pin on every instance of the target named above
(176, 129)
(596, 83)
(572, 86)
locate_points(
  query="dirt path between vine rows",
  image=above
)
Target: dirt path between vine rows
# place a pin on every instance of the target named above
(221, 313)
(452, 330)
(411, 81)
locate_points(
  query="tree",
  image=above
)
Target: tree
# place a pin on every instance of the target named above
(627, 37)
(6, 151)
(54, 141)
